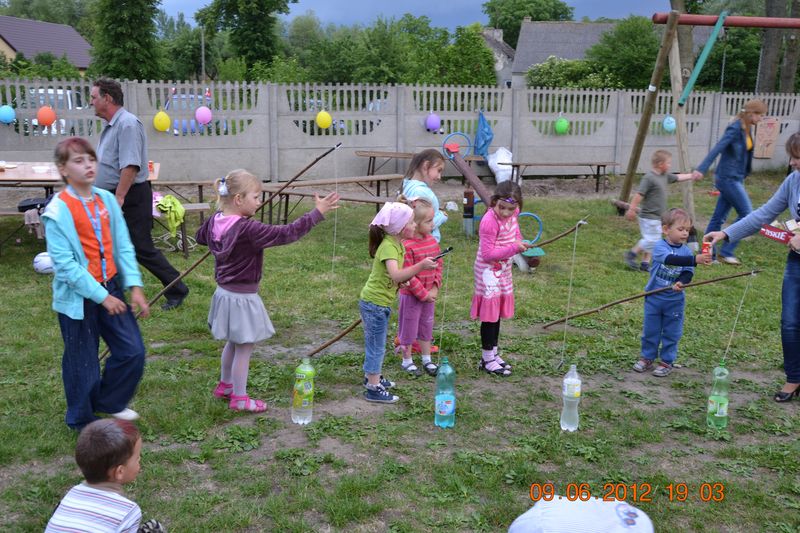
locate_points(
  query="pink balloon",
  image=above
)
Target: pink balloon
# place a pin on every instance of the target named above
(203, 115)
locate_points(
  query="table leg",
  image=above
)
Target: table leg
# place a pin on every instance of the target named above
(285, 209)
(600, 170)
(200, 199)
(183, 239)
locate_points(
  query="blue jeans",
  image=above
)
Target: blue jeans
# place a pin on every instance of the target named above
(376, 325)
(732, 194)
(86, 391)
(790, 318)
(663, 324)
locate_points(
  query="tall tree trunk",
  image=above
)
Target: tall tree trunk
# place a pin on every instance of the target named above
(791, 54)
(770, 51)
(685, 43)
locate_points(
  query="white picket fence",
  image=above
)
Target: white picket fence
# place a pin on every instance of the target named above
(271, 130)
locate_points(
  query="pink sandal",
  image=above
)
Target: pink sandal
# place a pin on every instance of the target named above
(223, 390)
(493, 367)
(252, 406)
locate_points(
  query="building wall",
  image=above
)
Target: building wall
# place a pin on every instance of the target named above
(6, 50)
(270, 128)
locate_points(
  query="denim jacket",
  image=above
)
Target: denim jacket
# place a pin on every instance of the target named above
(72, 282)
(736, 160)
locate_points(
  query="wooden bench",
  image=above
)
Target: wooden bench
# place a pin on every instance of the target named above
(598, 169)
(304, 192)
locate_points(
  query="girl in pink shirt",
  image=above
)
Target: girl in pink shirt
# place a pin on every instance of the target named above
(500, 240)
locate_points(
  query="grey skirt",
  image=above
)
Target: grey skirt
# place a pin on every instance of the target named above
(239, 317)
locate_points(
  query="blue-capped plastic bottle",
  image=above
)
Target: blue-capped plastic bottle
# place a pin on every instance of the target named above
(445, 416)
(303, 396)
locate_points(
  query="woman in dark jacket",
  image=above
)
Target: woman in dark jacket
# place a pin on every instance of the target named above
(735, 149)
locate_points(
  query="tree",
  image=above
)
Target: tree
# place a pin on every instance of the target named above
(771, 49)
(282, 70)
(252, 25)
(468, 60)
(571, 73)
(791, 54)
(124, 42)
(508, 14)
(740, 49)
(633, 63)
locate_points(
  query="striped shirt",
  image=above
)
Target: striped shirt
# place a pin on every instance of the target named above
(416, 251)
(89, 509)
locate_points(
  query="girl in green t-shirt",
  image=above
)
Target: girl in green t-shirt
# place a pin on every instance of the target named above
(394, 222)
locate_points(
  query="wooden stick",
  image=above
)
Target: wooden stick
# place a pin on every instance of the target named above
(565, 233)
(648, 293)
(344, 332)
(171, 284)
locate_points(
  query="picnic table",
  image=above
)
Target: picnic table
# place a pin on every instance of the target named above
(41, 174)
(598, 169)
(302, 189)
(388, 156)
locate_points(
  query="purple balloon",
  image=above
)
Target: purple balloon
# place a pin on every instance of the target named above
(433, 122)
(203, 115)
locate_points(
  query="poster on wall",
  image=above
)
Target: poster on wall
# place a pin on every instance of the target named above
(766, 137)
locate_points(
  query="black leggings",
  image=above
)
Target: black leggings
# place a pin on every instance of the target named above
(490, 333)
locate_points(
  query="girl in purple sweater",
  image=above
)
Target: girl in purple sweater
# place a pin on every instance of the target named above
(237, 241)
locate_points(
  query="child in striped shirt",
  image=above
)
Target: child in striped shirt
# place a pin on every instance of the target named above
(108, 453)
(418, 294)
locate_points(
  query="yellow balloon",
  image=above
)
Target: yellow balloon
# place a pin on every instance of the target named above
(161, 121)
(324, 120)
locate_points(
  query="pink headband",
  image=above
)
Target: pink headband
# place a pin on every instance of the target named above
(393, 217)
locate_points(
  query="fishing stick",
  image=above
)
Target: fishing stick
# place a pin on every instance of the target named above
(581, 222)
(647, 293)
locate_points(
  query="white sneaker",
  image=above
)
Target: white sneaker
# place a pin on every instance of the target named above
(126, 414)
(731, 260)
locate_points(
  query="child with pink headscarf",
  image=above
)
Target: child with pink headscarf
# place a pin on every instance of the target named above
(394, 222)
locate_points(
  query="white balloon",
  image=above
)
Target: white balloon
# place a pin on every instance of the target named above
(43, 264)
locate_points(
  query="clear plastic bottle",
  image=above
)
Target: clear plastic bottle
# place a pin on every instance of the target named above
(303, 398)
(717, 411)
(571, 395)
(445, 416)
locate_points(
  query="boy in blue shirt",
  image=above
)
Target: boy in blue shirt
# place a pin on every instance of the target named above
(673, 266)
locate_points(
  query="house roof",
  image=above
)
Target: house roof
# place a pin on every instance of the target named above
(499, 45)
(569, 40)
(33, 37)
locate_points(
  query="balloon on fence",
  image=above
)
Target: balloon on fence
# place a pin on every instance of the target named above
(669, 124)
(561, 126)
(203, 115)
(324, 120)
(7, 114)
(161, 121)
(433, 123)
(46, 116)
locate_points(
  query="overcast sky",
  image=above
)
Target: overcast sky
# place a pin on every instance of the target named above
(443, 13)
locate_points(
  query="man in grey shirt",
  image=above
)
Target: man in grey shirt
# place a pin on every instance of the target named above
(122, 169)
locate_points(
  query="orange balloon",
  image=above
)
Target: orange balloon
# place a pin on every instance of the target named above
(46, 116)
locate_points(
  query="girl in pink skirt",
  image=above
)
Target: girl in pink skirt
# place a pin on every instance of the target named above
(500, 240)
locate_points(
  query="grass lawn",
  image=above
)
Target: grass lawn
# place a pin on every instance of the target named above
(366, 467)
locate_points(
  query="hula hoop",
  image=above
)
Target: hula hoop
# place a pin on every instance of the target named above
(444, 143)
(538, 221)
(476, 216)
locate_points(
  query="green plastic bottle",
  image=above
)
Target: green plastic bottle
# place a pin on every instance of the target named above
(717, 412)
(303, 398)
